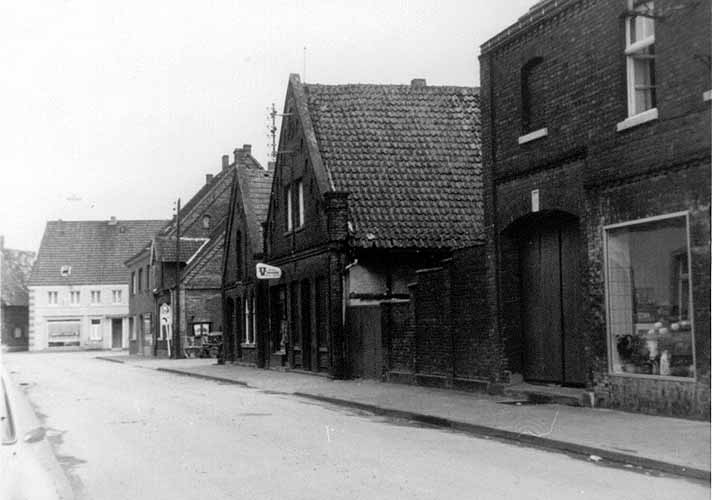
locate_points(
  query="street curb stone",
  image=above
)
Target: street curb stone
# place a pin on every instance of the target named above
(109, 358)
(205, 377)
(580, 451)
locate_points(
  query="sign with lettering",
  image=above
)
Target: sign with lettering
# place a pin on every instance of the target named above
(267, 272)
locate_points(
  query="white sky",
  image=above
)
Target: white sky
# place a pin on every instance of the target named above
(117, 108)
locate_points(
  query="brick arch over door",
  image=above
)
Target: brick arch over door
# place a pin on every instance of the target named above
(541, 297)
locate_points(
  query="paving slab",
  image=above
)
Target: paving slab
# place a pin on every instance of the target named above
(672, 445)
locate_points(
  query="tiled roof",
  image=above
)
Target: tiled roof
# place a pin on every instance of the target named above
(16, 269)
(205, 271)
(95, 250)
(409, 157)
(165, 248)
(255, 186)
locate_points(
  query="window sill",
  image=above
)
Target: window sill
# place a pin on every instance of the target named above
(707, 96)
(639, 119)
(533, 136)
(249, 346)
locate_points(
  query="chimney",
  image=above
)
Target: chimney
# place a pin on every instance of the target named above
(225, 162)
(237, 152)
(417, 83)
(208, 178)
(112, 221)
(247, 149)
(270, 166)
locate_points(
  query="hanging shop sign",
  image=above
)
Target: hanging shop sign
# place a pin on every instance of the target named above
(267, 272)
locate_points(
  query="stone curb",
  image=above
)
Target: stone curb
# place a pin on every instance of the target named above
(579, 451)
(178, 371)
(109, 358)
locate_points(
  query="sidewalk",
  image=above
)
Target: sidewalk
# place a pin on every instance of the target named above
(670, 445)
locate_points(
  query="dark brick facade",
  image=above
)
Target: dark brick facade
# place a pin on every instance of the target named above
(593, 173)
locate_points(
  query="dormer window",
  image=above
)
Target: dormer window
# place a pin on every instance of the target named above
(206, 222)
(640, 57)
(65, 271)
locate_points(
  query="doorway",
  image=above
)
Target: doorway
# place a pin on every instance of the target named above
(549, 260)
(116, 333)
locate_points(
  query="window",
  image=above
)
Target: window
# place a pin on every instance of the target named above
(52, 298)
(640, 57)
(206, 222)
(95, 330)
(200, 329)
(74, 297)
(300, 203)
(140, 278)
(146, 324)
(133, 282)
(254, 319)
(116, 296)
(96, 297)
(534, 95)
(322, 319)
(63, 332)
(65, 271)
(247, 316)
(148, 277)
(306, 312)
(17, 332)
(288, 196)
(648, 294)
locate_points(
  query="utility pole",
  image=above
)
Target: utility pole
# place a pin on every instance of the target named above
(176, 325)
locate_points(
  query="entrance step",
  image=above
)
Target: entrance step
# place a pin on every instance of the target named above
(548, 394)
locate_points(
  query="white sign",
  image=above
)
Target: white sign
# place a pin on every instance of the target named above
(166, 314)
(535, 200)
(267, 272)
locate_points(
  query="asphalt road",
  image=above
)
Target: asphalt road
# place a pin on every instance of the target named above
(124, 432)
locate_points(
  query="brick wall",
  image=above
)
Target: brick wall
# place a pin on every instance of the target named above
(586, 168)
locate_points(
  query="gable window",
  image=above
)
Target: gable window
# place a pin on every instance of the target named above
(133, 282)
(300, 203)
(288, 197)
(52, 298)
(148, 277)
(65, 271)
(74, 297)
(140, 278)
(533, 95)
(96, 297)
(206, 222)
(640, 57)
(116, 296)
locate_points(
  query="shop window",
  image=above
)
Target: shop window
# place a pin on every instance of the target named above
(200, 329)
(648, 297)
(640, 57)
(534, 95)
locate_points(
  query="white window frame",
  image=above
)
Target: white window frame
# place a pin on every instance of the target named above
(116, 296)
(290, 222)
(630, 50)
(72, 295)
(133, 282)
(609, 345)
(53, 297)
(96, 297)
(300, 203)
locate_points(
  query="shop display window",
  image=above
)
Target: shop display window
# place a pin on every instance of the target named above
(648, 298)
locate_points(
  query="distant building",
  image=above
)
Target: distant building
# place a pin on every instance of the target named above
(596, 146)
(78, 289)
(15, 268)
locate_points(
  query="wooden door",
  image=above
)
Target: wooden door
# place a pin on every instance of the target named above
(116, 333)
(551, 311)
(364, 333)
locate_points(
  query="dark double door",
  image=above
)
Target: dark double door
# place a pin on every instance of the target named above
(551, 302)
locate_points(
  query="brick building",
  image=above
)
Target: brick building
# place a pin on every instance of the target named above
(596, 146)
(371, 183)
(15, 269)
(244, 302)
